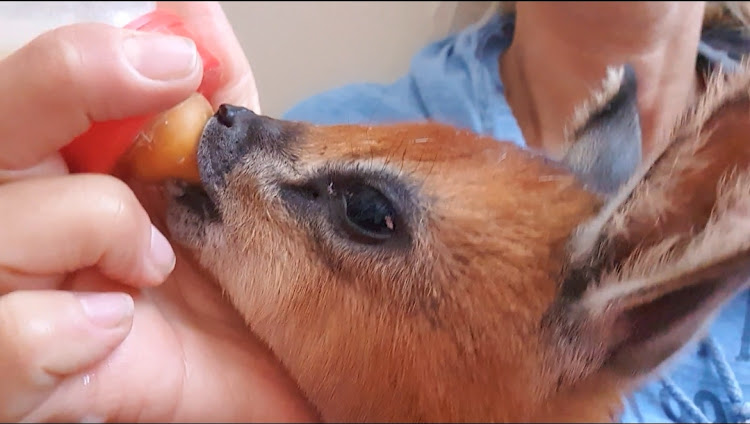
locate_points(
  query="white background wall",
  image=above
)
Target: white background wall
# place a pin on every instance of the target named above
(298, 49)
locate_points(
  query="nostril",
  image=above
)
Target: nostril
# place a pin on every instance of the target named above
(226, 115)
(229, 115)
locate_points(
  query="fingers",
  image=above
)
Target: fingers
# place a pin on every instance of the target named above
(59, 225)
(48, 335)
(208, 23)
(96, 72)
(53, 166)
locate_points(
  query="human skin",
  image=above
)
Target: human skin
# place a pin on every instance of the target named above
(561, 50)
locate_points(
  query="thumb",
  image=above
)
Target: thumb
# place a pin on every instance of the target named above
(54, 86)
(49, 335)
(208, 23)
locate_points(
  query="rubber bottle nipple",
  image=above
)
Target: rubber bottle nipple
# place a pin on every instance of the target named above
(99, 149)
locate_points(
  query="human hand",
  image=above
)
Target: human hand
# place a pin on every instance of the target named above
(87, 331)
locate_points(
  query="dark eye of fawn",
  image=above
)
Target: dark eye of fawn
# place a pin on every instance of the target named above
(369, 212)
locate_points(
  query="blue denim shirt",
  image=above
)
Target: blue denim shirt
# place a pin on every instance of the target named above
(455, 80)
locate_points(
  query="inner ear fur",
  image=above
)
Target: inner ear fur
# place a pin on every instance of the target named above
(604, 137)
(668, 248)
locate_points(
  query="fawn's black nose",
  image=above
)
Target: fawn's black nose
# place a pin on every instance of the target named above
(233, 133)
(229, 115)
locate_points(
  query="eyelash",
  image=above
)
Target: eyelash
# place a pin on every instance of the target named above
(381, 207)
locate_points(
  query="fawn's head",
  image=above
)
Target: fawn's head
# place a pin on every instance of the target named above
(419, 272)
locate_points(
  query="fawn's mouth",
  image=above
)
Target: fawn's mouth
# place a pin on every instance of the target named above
(229, 136)
(195, 198)
(215, 141)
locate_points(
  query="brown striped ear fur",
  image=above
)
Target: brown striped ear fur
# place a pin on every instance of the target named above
(667, 250)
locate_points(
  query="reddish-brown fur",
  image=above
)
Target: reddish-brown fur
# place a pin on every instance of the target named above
(501, 254)
(467, 323)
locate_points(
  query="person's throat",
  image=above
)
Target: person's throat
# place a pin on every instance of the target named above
(546, 75)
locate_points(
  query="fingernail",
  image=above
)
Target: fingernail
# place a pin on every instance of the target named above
(161, 255)
(161, 57)
(106, 310)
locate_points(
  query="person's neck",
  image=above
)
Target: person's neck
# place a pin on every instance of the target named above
(559, 55)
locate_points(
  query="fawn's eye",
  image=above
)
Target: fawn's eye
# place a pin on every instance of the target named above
(368, 216)
(353, 208)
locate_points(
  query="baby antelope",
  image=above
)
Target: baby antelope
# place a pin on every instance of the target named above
(418, 272)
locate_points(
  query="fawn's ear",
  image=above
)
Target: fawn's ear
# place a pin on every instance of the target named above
(649, 271)
(605, 135)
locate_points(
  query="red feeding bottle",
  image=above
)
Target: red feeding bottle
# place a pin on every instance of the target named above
(101, 146)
